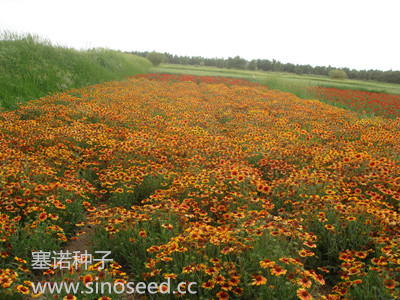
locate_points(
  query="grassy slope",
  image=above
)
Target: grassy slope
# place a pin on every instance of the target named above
(296, 84)
(31, 67)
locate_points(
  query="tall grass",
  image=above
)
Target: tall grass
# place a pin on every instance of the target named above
(31, 67)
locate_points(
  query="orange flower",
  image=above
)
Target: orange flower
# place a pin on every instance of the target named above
(210, 271)
(305, 253)
(266, 189)
(169, 275)
(208, 285)
(23, 289)
(223, 295)
(219, 279)
(166, 258)
(318, 278)
(304, 282)
(188, 269)
(226, 286)
(153, 248)
(238, 291)
(20, 260)
(354, 271)
(259, 280)
(214, 260)
(226, 250)
(277, 270)
(42, 216)
(310, 244)
(88, 278)
(234, 281)
(168, 226)
(163, 289)
(303, 294)
(329, 227)
(390, 284)
(267, 263)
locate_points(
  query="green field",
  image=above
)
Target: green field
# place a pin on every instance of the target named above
(32, 67)
(296, 84)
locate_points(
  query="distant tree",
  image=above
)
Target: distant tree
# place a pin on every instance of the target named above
(265, 65)
(252, 65)
(220, 63)
(195, 60)
(211, 62)
(320, 70)
(175, 59)
(298, 69)
(307, 69)
(156, 58)
(168, 58)
(337, 74)
(289, 67)
(185, 60)
(277, 65)
(236, 63)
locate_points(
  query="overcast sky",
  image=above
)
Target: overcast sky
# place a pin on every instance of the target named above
(355, 34)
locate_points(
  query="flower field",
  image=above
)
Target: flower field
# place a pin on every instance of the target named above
(380, 104)
(249, 192)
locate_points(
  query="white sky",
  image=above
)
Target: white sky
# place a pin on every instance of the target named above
(341, 33)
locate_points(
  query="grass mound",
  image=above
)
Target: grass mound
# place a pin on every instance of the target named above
(32, 67)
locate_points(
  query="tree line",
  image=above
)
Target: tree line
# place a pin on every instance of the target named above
(240, 63)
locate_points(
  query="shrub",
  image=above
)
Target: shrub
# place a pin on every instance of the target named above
(337, 74)
(156, 58)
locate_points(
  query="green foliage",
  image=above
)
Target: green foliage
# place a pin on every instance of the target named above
(252, 65)
(156, 58)
(372, 287)
(32, 67)
(36, 239)
(129, 245)
(236, 63)
(337, 74)
(344, 235)
(142, 191)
